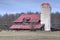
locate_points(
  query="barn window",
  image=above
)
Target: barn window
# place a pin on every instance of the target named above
(26, 20)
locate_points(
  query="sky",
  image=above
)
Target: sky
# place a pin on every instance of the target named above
(18, 6)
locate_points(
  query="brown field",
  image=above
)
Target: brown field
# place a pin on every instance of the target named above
(29, 35)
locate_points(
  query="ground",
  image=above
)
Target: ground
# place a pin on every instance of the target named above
(29, 35)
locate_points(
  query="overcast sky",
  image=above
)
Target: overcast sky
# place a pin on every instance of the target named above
(17, 6)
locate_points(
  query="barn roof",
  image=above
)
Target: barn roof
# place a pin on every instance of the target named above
(32, 17)
(27, 26)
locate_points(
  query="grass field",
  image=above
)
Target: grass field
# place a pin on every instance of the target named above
(30, 35)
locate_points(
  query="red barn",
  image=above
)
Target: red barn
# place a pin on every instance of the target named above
(27, 21)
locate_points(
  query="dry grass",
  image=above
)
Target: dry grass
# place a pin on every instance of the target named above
(29, 35)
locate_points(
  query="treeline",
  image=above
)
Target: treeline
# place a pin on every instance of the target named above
(55, 20)
(7, 20)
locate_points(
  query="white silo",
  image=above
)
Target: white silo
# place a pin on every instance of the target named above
(45, 16)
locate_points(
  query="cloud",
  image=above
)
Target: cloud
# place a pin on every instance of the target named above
(25, 5)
